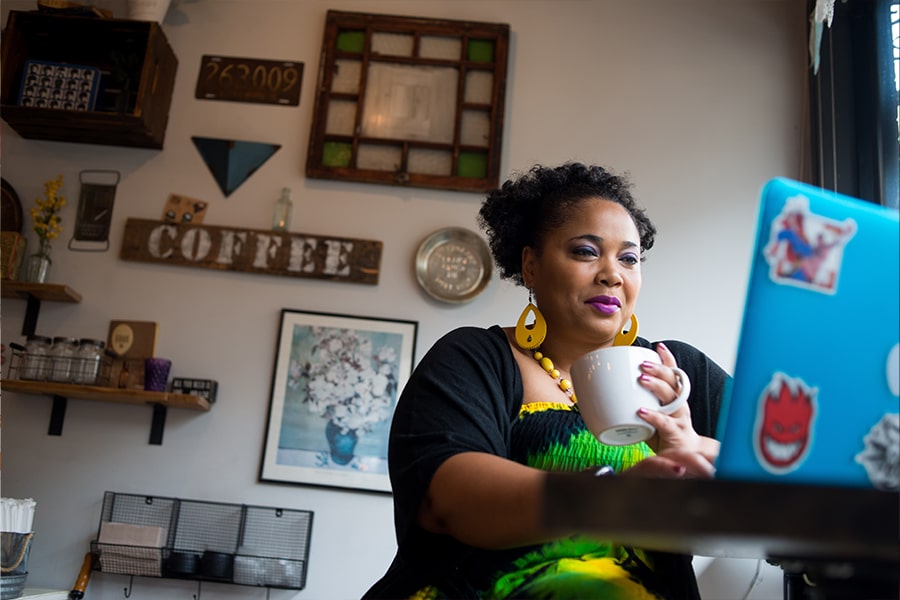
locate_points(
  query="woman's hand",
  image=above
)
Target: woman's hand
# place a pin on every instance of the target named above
(673, 463)
(676, 430)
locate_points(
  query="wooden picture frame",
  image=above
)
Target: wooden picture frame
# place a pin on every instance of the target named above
(335, 384)
(409, 101)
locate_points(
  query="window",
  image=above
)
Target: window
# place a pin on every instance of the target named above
(855, 102)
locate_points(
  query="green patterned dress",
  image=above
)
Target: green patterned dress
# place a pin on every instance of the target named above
(551, 437)
(466, 395)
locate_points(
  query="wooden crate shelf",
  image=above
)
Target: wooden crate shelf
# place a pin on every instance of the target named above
(137, 77)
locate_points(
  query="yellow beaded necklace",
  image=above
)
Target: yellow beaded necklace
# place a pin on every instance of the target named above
(564, 384)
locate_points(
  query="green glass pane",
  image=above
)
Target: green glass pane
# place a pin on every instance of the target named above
(336, 154)
(351, 41)
(472, 164)
(481, 51)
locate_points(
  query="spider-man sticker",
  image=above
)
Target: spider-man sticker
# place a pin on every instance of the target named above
(806, 250)
(785, 420)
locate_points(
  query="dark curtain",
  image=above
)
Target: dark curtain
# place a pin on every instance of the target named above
(854, 103)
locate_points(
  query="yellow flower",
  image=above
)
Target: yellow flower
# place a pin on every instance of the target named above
(47, 222)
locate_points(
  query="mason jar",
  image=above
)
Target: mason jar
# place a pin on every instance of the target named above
(63, 356)
(36, 361)
(87, 367)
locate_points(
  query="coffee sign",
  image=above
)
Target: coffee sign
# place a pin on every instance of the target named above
(252, 251)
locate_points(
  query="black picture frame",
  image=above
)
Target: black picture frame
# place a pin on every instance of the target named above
(335, 383)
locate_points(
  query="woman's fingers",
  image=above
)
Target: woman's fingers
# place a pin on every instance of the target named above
(666, 355)
(661, 379)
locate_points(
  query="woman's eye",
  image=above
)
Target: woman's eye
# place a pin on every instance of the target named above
(630, 259)
(584, 251)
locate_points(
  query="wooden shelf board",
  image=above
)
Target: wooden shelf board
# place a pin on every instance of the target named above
(53, 292)
(105, 394)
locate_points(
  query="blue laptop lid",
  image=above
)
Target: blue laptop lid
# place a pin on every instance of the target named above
(815, 391)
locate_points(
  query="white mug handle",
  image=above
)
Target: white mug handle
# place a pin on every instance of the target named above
(682, 397)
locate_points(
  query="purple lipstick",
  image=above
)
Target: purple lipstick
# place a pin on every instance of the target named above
(605, 304)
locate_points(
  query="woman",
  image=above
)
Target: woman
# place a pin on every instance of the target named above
(481, 421)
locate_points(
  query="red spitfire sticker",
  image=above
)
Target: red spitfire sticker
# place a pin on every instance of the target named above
(785, 422)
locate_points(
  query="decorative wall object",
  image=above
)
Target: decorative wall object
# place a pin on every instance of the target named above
(59, 86)
(335, 385)
(132, 342)
(249, 80)
(95, 208)
(453, 265)
(232, 162)
(11, 218)
(183, 209)
(12, 252)
(265, 252)
(409, 101)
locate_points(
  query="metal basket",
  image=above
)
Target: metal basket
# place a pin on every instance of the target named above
(14, 550)
(12, 586)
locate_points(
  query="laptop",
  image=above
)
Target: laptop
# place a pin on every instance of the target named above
(814, 397)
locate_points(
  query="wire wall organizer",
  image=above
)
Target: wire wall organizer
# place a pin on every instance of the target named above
(153, 536)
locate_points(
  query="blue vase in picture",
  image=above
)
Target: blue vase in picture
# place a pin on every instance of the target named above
(342, 445)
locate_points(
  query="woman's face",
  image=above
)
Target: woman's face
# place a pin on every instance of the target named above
(587, 277)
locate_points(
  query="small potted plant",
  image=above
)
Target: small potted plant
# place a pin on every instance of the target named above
(47, 227)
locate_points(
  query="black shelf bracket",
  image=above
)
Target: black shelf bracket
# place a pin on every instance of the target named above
(32, 309)
(57, 415)
(158, 424)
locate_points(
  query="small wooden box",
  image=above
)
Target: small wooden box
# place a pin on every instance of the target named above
(12, 253)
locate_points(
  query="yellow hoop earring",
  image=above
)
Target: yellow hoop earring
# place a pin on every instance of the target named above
(627, 337)
(531, 336)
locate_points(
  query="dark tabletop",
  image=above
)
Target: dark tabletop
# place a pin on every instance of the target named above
(710, 517)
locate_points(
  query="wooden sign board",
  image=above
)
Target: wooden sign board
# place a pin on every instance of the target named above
(132, 339)
(266, 252)
(249, 80)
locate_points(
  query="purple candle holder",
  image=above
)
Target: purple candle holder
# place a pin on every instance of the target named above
(156, 374)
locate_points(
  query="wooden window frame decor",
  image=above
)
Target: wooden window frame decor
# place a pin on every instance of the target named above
(409, 101)
(336, 382)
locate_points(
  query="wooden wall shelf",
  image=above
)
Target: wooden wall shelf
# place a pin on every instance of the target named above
(52, 292)
(34, 293)
(105, 394)
(61, 392)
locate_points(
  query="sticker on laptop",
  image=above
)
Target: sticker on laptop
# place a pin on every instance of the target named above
(785, 423)
(806, 250)
(880, 456)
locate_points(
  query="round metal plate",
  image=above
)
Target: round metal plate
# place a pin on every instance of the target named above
(454, 265)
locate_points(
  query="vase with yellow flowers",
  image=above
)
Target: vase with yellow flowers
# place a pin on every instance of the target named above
(47, 227)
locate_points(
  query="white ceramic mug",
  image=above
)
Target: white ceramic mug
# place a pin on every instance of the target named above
(609, 393)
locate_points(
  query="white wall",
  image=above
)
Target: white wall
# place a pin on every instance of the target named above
(700, 100)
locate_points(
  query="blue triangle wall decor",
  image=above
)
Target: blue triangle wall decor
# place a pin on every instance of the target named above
(232, 162)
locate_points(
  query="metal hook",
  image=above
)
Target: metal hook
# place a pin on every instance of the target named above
(130, 587)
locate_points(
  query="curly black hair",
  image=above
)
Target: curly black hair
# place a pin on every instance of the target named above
(524, 209)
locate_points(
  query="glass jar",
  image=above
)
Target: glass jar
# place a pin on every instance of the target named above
(63, 355)
(36, 361)
(87, 367)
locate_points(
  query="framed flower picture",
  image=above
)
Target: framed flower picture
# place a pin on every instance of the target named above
(334, 388)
